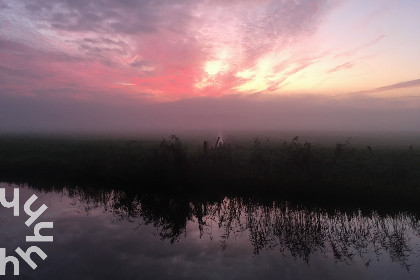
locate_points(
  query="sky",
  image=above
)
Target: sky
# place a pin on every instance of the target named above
(189, 64)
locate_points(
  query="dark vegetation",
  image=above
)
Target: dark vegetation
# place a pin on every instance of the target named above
(342, 175)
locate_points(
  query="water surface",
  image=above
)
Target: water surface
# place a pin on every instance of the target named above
(118, 235)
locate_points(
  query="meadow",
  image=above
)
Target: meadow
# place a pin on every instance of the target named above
(340, 174)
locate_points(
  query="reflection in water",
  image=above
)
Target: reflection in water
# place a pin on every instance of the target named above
(299, 231)
(185, 238)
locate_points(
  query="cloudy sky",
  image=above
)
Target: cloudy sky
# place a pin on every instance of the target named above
(192, 63)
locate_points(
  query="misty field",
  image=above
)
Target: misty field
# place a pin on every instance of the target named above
(342, 174)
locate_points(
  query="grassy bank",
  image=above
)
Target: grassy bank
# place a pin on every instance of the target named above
(297, 170)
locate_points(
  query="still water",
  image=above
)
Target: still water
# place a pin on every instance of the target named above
(119, 235)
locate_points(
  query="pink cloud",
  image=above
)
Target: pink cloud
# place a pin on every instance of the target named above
(346, 65)
(159, 47)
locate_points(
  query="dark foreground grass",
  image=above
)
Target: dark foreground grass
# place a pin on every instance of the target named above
(293, 170)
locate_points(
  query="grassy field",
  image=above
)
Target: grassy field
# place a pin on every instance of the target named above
(340, 174)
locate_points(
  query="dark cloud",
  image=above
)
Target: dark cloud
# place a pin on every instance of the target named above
(127, 17)
(407, 84)
(261, 25)
(24, 55)
(3, 5)
(10, 73)
(139, 63)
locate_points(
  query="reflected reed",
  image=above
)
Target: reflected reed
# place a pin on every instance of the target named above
(296, 230)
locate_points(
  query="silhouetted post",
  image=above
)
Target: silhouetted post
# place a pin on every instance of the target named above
(205, 148)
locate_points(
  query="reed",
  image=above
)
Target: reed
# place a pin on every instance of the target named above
(297, 170)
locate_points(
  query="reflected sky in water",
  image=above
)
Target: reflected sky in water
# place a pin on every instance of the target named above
(117, 235)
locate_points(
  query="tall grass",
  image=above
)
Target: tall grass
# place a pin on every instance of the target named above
(294, 169)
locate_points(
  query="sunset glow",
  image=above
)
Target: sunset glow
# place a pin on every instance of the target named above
(173, 50)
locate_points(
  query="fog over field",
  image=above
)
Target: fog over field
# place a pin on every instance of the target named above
(241, 113)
